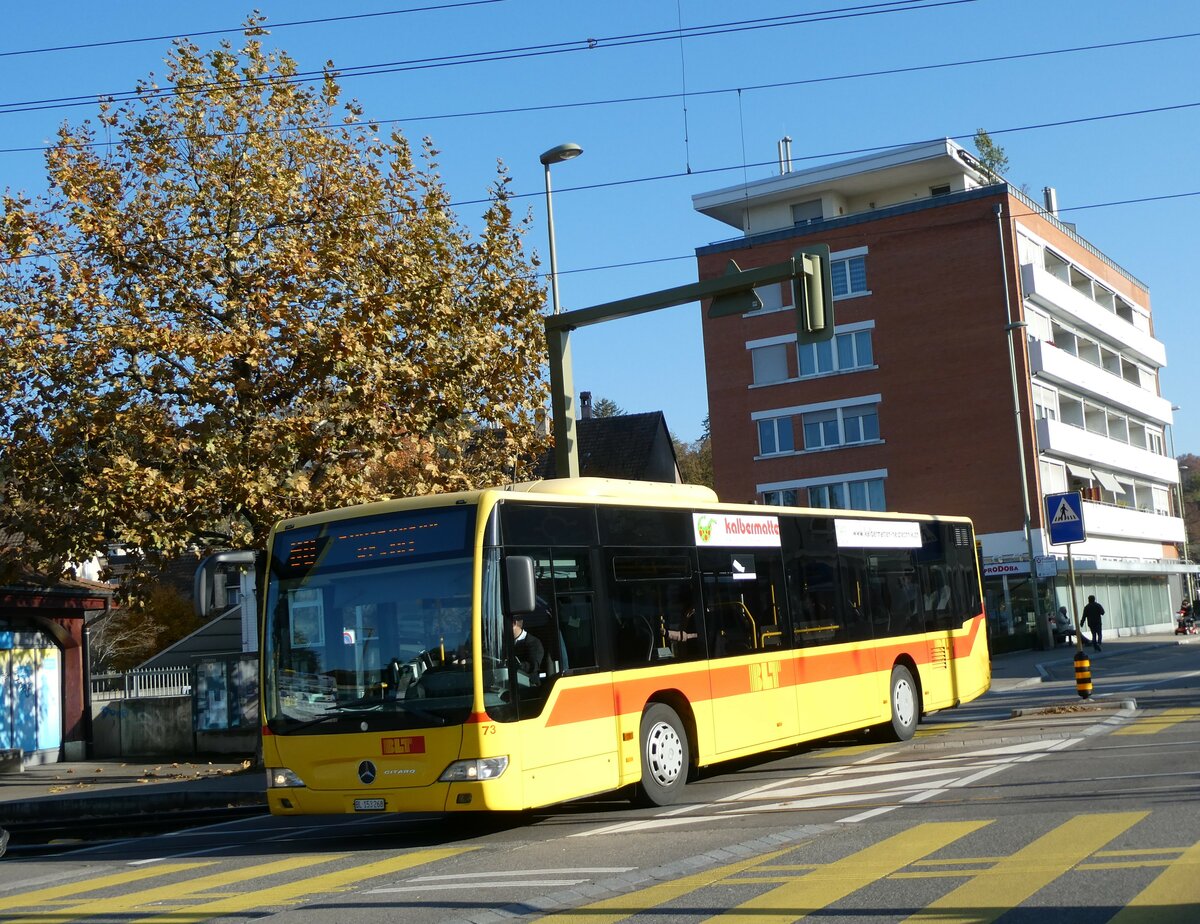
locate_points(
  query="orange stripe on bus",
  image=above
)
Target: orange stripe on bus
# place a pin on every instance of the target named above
(812, 665)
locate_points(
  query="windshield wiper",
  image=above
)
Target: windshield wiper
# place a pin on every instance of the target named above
(342, 710)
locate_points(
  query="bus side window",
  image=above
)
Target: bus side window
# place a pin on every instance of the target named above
(578, 632)
(568, 630)
(812, 580)
(855, 618)
(744, 600)
(653, 598)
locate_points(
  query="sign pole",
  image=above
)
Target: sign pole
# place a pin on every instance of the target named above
(1074, 600)
(1064, 522)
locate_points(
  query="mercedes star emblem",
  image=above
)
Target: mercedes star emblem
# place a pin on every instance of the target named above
(366, 772)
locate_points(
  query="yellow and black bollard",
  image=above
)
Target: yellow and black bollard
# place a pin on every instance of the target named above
(1083, 674)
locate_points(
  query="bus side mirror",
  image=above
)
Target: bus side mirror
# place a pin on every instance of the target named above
(520, 596)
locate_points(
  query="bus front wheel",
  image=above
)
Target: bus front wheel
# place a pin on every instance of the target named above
(665, 756)
(906, 704)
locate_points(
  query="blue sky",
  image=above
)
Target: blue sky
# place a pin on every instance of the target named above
(662, 118)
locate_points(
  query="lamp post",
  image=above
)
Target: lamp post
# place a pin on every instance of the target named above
(1045, 632)
(1187, 578)
(555, 155)
(558, 342)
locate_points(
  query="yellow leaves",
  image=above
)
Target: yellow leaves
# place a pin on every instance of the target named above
(313, 326)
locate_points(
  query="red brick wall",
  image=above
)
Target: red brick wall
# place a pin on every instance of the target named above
(946, 414)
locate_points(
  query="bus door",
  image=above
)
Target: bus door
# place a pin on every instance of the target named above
(751, 669)
(656, 639)
(567, 717)
(829, 595)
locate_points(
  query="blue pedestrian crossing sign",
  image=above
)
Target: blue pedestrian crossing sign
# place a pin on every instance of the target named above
(1064, 518)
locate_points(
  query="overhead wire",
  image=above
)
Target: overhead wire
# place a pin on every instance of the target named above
(577, 45)
(519, 110)
(233, 30)
(677, 34)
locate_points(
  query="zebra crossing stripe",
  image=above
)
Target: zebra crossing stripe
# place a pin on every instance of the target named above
(995, 891)
(83, 886)
(1172, 898)
(816, 890)
(123, 905)
(291, 892)
(612, 910)
(183, 901)
(1152, 725)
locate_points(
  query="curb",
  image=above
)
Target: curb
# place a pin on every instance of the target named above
(83, 807)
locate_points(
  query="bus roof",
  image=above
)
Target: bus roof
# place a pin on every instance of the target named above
(560, 489)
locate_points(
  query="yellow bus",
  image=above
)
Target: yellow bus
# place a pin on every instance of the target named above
(512, 648)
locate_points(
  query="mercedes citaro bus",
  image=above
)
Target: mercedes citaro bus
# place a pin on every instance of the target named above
(674, 632)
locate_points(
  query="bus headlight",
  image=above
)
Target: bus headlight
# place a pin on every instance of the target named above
(470, 771)
(282, 778)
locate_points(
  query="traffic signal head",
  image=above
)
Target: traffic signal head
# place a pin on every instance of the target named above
(812, 294)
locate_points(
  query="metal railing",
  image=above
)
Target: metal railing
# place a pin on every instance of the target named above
(147, 682)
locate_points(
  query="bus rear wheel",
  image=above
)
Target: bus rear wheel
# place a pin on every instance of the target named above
(906, 704)
(665, 756)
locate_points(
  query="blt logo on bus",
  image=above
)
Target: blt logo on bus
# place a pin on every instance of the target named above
(414, 744)
(764, 676)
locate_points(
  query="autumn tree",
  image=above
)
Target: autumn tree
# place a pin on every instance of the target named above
(238, 301)
(695, 459)
(991, 155)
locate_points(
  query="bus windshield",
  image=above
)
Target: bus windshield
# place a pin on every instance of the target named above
(368, 621)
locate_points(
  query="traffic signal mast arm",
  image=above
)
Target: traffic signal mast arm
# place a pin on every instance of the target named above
(733, 293)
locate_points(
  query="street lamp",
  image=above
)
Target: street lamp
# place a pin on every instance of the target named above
(1045, 632)
(555, 155)
(1187, 578)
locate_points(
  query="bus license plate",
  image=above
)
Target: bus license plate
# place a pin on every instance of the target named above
(369, 805)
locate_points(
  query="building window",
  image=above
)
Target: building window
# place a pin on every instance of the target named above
(841, 426)
(1045, 403)
(849, 277)
(943, 190)
(844, 353)
(815, 358)
(775, 436)
(770, 363)
(1054, 476)
(848, 495)
(786, 498)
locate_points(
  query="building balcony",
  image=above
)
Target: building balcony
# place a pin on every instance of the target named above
(1059, 367)
(1118, 522)
(1090, 449)
(1053, 293)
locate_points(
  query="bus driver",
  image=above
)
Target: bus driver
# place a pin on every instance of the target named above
(528, 652)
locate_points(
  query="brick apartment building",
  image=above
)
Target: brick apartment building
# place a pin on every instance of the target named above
(917, 404)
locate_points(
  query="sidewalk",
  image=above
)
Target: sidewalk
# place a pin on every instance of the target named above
(1027, 668)
(128, 786)
(69, 791)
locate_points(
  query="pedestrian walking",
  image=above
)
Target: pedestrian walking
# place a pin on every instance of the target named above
(1093, 615)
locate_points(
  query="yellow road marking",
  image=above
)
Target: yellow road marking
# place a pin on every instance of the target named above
(795, 899)
(1172, 898)
(626, 906)
(171, 892)
(293, 892)
(1152, 725)
(992, 892)
(69, 893)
